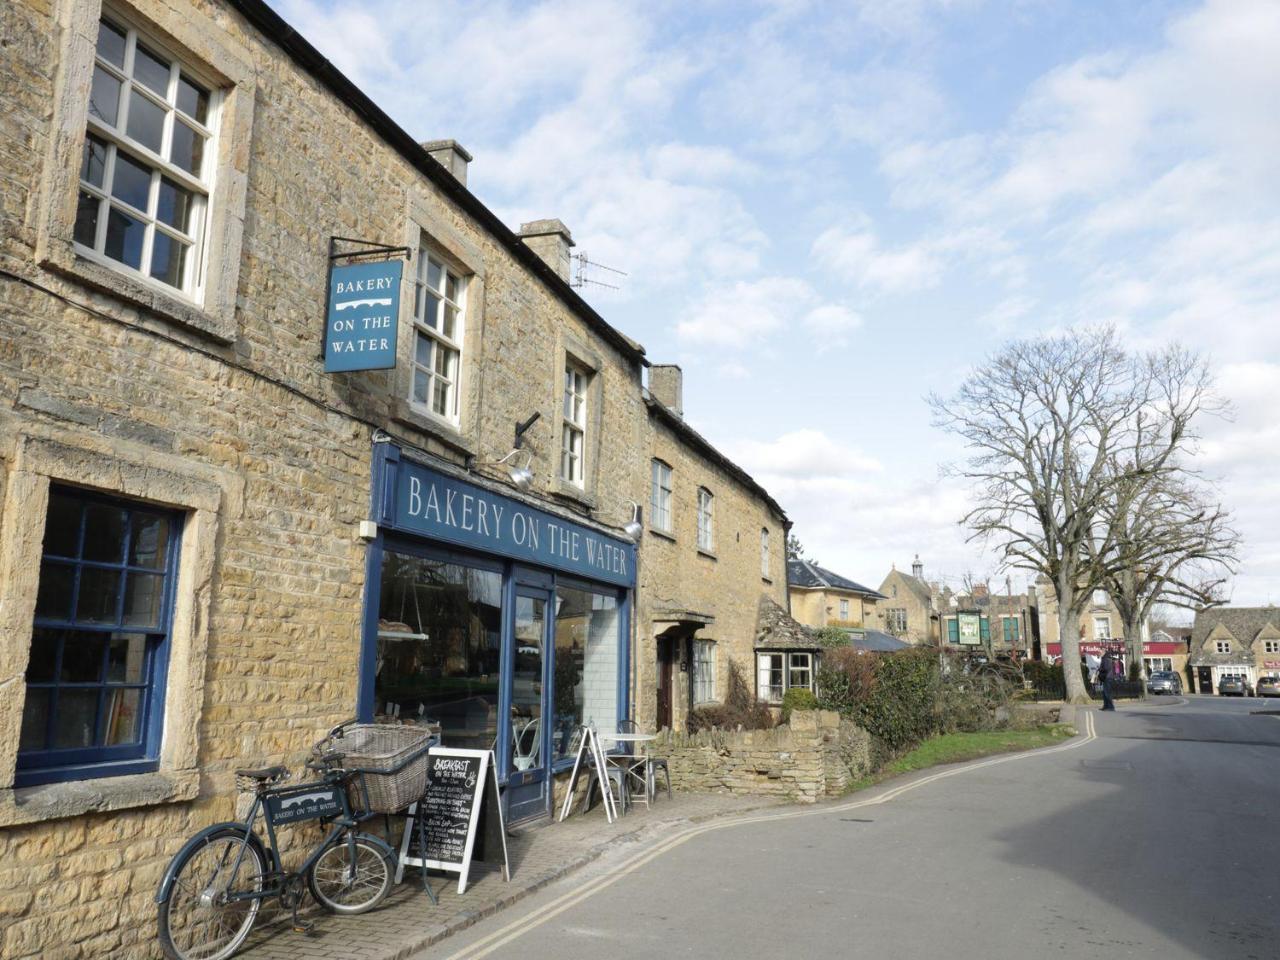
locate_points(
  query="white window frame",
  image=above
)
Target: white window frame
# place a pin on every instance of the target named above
(1100, 598)
(764, 552)
(450, 345)
(660, 513)
(1105, 632)
(704, 671)
(573, 432)
(802, 662)
(1222, 646)
(706, 520)
(769, 666)
(1271, 646)
(1157, 663)
(844, 609)
(116, 139)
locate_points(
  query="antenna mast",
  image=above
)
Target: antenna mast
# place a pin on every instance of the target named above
(580, 267)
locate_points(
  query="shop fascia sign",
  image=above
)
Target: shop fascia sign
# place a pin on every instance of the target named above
(363, 306)
(429, 503)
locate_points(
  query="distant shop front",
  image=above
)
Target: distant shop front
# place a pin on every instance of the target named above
(505, 623)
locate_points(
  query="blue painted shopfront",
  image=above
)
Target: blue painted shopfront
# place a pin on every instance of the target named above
(506, 624)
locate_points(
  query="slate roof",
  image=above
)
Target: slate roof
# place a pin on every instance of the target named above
(1243, 623)
(807, 575)
(876, 640)
(778, 630)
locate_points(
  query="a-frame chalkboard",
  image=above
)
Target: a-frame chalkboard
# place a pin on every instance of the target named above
(461, 801)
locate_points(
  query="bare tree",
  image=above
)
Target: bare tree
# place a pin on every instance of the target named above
(1045, 421)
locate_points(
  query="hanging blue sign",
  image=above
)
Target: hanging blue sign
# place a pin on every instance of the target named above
(360, 328)
(420, 500)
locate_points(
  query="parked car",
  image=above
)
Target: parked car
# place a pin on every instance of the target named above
(1268, 687)
(1234, 685)
(1165, 681)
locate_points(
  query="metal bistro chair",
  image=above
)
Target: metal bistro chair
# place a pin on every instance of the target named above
(643, 767)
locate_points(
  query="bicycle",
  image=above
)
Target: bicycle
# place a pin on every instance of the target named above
(211, 892)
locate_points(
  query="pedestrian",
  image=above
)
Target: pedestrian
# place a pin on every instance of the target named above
(1107, 673)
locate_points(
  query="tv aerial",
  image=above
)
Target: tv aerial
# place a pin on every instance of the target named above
(582, 266)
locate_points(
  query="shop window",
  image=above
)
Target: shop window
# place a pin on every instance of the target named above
(660, 497)
(145, 183)
(800, 671)
(764, 552)
(573, 433)
(706, 520)
(1157, 663)
(585, 685)
(704, 671)
(439, 630)
(438, 315)
(95, 677)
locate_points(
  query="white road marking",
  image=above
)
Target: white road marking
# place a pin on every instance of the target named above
(522, 925)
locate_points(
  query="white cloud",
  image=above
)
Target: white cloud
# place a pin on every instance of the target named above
(745, 313)
(808, 454)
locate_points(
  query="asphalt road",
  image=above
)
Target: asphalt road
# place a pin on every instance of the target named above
(1155, 838)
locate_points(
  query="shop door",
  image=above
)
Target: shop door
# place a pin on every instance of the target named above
(527, 780)
(1206, 679)
(666, 655)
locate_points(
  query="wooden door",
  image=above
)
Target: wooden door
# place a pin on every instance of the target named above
(666, 656)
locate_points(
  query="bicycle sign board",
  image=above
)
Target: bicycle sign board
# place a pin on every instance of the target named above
(461, 802)
(307, 803)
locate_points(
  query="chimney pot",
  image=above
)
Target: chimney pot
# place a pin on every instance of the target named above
(666, 385)
(550, 240)
(451, 155)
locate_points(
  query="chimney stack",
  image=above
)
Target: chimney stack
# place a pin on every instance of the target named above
(550, 240)
(451, 155)
(666, 385)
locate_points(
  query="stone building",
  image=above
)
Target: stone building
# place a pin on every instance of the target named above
(1003, 623)
(211, 549)
(908, 609)
(822, 598)
(1236, 641)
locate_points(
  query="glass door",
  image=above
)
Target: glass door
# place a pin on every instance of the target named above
(528, 783)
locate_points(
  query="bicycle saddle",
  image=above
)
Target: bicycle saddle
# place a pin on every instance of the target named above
(265, 773)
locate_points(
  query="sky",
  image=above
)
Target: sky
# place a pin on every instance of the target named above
(827, 211)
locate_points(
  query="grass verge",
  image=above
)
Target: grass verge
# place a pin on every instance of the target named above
(957, 747)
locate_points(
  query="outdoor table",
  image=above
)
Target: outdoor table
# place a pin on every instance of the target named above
(630, 760)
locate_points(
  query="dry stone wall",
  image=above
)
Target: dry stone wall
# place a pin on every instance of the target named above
(817, 755)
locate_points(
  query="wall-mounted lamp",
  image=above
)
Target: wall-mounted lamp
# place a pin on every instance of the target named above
(633, 528)
(522, 477)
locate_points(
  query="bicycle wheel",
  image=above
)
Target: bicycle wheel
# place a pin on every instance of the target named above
(197, 922)
(347, 884)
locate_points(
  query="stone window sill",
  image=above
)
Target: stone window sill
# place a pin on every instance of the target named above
(572, 492)
(140, 294)
(403, 413)
(707, 553)
(767, 580)
(55, 801)
(663, 534)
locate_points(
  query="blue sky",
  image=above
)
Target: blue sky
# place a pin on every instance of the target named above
(827, 210)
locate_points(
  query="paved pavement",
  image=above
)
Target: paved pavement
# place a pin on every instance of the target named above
(1151, 835)
(539, 855)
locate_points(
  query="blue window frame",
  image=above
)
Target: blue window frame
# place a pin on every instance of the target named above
(100, 639)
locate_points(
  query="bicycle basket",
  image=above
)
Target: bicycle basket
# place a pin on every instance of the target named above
(391, 759)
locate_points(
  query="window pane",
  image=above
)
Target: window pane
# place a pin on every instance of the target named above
(168, 259)
(126, 658)
(62, 526)
(440, 398)
(188, 148)
(35, 718)
(104, 533)
(586, 672)
(193, 100)
(444, 363)
(98, 591)
(143, 595)
(450, 321)
(451, 287)
(431, 311)
(148, 541)
(53, 599)
(421, 386)
(435, 274)
(111, 44)
(104, 97)
(95, 160)
(82, 657)
(124, 238)
(86, 229)
(174, 205)
(42, 666)
(122, 722)
(422, 351)
(132, 182)
(150, 70)
(74, 723)
(439, 629)
(146, 121)
(526, 684)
